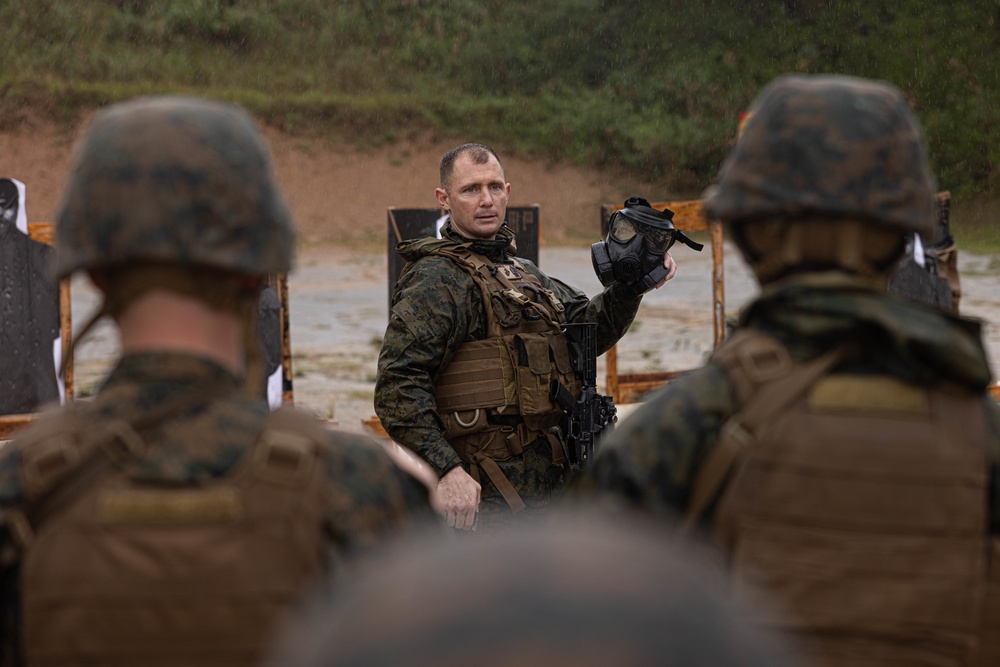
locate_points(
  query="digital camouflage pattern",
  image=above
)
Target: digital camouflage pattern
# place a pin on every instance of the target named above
(436, 307)
(652, 458)
(180, 186)
(831, 146)
(173, 180)
(839, 147)
(581, 591)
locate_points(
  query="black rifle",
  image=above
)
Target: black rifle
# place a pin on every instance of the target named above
(587, 416)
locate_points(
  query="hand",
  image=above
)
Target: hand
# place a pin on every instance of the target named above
(670, 266)
(459, 495)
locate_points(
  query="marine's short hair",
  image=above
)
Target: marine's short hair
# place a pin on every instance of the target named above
(478, 153)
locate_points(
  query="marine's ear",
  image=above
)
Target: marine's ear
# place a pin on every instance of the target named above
(442, 198)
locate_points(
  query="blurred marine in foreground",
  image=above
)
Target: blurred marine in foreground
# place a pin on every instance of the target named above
(173, 519)
(840, 448)
(579, 592)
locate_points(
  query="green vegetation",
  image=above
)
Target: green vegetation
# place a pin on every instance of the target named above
(644, 86)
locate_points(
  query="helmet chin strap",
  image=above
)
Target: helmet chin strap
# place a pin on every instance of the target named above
(77, 338)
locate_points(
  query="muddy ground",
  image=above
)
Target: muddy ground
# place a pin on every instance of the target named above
(338, 291)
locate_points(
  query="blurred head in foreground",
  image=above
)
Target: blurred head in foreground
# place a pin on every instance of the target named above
(583, 592)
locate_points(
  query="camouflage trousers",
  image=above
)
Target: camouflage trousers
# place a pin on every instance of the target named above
(536, 480)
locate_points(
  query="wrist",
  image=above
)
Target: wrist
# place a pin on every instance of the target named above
(448, 467)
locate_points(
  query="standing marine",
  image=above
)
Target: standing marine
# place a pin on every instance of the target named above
(173, 519)
(840, 448)
(474, 343)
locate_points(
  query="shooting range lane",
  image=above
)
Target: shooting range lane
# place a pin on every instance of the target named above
(339, 313)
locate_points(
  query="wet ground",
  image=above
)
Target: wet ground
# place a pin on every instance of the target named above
(339, 308)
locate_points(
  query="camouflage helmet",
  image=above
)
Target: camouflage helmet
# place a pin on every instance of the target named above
(831, 146)
(581, 591)
(177, 181)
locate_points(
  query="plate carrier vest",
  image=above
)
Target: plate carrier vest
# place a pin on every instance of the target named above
(116, 571)
(493, 397)
(858, 502)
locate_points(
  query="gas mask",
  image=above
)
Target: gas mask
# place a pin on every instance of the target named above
(638, 237)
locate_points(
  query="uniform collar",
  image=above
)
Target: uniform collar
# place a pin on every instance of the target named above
(915, 342)
(496, 249)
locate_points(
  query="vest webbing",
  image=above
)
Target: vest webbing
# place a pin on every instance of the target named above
(493, 397)
(142, 573)
(861, 506)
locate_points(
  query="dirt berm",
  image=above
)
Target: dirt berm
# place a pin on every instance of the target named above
(338, 291)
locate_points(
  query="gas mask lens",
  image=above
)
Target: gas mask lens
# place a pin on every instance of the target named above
(657, 241)
(622, 228)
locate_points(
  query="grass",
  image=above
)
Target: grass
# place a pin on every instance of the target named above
(974, 225)
(647, 87)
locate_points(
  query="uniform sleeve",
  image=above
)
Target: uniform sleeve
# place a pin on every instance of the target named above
(612, 310)
(431, 316)
(650, 460)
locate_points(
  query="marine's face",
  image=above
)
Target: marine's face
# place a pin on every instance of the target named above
(476, 198)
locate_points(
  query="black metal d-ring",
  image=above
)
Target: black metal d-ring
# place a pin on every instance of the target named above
(531, 288)
(532, 314)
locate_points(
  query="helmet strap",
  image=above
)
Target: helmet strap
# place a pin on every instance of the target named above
(77, 338)
(253, 379)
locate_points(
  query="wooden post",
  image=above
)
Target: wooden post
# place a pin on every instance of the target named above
(66, 330)
(279, 282)
(718, 284)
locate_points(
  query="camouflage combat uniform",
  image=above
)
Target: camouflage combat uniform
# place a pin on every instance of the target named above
(373, 494)
(436, 307)
(173, 519)
(368, 498)
(840, 448)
